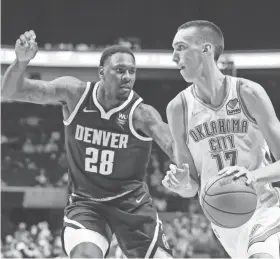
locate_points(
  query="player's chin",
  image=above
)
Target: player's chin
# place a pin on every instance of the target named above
(123, 95)
(187, 76)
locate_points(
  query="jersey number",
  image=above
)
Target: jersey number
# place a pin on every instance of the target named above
(105, 164)
(228, 155)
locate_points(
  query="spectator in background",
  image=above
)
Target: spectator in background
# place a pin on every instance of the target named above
(22, 234)
(42, 179)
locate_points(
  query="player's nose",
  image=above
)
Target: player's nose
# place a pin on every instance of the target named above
(175, 57)
(126, 76)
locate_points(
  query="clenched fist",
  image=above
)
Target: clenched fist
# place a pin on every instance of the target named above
(26, 46)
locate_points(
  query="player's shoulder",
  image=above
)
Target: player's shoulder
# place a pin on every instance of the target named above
(70, 82)
(73, 84)
(250, 89)
(176, 104)
(73, 87)
(144, 112)
(144, 116)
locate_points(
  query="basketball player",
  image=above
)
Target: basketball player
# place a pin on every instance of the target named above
(108, 133)
(222, 121)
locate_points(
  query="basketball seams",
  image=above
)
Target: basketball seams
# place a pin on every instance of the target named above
(244, 213)
(213, 220)
(213, 183)
(223, 176)
(217, 194)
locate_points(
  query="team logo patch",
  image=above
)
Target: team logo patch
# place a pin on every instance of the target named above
(164, 240)
(122, 119)
(233, 107)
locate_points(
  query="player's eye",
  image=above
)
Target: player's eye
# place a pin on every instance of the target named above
(132, 71)
(180, 47)
(120, 70)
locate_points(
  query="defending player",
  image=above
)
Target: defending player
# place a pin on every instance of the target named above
(108, 134)
(222, 121)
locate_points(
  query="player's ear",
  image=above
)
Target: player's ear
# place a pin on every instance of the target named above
(101, 72)
(207, 48)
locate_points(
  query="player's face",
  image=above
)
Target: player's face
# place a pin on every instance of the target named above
(119, 74)
(188, 53)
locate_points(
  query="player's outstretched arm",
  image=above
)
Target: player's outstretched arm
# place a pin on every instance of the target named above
(183, 157)
(16, 87)
(148, 120)
(260, 108)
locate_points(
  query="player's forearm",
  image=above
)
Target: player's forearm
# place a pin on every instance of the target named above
(168, 148)
(192, 188)
(13, 78)
(163, 138)
(268, 174)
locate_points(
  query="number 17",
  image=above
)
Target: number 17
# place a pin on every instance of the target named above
(228, 155)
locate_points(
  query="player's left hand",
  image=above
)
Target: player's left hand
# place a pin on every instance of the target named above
(176, 178)
(238, 171)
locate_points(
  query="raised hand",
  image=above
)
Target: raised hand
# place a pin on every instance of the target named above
(26, 47)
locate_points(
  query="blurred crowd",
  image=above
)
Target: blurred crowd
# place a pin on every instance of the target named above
(32, 145)
(190, 235)
(37, 241)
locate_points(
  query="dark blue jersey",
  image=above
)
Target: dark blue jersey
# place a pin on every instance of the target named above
(107, 156)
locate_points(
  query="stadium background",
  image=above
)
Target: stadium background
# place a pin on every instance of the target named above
(33, 159)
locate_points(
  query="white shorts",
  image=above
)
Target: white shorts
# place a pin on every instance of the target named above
(73, 237)
(261, 234)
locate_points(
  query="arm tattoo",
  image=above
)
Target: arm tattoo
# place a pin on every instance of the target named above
(40, 92)
(150, 122)
(43, 92)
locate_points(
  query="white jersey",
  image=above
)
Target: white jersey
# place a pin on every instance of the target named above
(223, 136)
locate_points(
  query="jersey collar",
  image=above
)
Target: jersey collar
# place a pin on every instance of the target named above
(106, 115)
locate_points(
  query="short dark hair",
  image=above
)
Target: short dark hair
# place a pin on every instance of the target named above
(109, 51)
(209, 32)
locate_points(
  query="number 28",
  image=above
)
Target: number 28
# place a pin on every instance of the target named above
(105, 164)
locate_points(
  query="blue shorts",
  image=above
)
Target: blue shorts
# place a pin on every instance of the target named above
(132, 218)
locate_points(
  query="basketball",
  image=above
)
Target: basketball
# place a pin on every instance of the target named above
(228, 202)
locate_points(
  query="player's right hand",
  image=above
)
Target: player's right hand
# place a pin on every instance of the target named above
(177, 179)
(26, 47)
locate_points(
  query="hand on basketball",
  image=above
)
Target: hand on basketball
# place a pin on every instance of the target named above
(177, 178)
(26, 46)
(238, 171)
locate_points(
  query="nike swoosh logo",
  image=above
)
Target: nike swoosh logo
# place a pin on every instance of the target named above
(196, 113)
(139, 200)
(86, 110)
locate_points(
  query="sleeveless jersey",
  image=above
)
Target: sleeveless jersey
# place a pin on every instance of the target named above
(107, 157)
(224, 136)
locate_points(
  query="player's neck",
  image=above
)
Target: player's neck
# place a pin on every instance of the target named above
(106, 100)
(210, 86)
